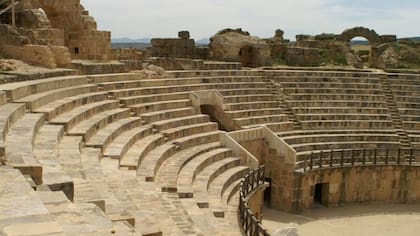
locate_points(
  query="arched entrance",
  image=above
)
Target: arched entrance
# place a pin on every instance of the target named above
(361, 47)
(371, 36)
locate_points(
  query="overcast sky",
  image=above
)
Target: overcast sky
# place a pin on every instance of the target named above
(203, 18)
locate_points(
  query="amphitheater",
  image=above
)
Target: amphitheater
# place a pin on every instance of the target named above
(200, 151)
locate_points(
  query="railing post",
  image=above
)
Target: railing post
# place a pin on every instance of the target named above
(331, 157)
(374, 156)
(364, 156)
(320, 160)
(411, 156)
(311, 162)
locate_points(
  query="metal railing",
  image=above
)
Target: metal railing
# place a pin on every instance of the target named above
(359, 157)
(250, 224)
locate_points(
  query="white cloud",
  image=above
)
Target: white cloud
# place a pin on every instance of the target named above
(203, 18)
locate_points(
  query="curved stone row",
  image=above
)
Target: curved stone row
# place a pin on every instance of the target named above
(140, 152)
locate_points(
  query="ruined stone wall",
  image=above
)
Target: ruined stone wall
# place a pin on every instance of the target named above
(66, 23)
(15, 45)
(284, 188)
(181, 47)
(236, 45)
(300, 56)
(363, 184)
(91, 45)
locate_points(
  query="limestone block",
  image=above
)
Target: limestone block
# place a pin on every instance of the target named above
(34, 18)
(184, 34)
(40, 55)
(62, 56)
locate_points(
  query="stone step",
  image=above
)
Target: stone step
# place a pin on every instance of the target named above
(153, 160)
(46, 152)
(3, 98)
(114, 77)
(251, 105)
(86, 218)
(197, 139)
(205, 178)
(89, 127)
(246, 91)
(128, 101)
(56, 108)
(307, 147)
(37, 100)
(260, 119)
(232, 79)
(255, 112)
(158, 106)
(342, 116)
(18, 90)
(9, 114)
(186, 130)
(71, 118)
(276, 127)
(219, 185)
(168, 114)
(148, 83)
(231, 193)
(135, 154)
(19, 143)
(119, 146)
(337, 103)
(176, 122)
(330, 109)
(336, 131)
(22, 208)
(309, 90)
(315, 138)
(106, 135)
(349, 124)
(334, 85)
(168, 173)
(336, 96)
(188, 173)
(248, 98)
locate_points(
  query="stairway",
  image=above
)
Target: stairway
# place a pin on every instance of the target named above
(395, 115)
(282, 98)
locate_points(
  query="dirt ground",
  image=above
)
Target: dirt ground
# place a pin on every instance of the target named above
(361, 219)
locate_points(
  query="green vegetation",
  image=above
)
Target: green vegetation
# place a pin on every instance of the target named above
(409, 55)
(279, 62)
(333, 57)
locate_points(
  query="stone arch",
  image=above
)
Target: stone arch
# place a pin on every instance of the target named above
(373, 38)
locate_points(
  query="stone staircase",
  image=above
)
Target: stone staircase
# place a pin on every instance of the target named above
(393, 110)
(282, 98)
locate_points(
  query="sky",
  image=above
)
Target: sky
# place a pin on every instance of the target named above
(203, 18)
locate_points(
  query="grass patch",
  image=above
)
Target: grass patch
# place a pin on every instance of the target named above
(332, 57)
(279, 61)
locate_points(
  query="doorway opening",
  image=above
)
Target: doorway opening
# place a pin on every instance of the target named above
(267, 193)
(321, 194)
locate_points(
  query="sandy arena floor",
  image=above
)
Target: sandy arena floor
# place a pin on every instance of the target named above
(349, 220)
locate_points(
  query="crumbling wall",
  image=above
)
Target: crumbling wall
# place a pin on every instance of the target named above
(181, 47)
(65, 23)
(238, 46)
(15, 45)
(300, 56)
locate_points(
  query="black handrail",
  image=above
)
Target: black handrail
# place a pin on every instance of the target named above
(336, 158)
(250, 224)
